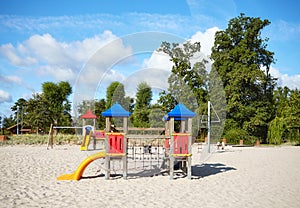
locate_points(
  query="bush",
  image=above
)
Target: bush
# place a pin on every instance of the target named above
(233, 136)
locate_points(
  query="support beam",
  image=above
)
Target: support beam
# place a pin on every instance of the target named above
(124, 158)
(208, 127)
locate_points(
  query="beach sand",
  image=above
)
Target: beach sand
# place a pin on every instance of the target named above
(237, 177)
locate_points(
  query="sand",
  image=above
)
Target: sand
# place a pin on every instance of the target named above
(236, 177)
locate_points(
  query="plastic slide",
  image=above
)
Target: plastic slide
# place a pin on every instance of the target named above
(78, 173)
(85, 142)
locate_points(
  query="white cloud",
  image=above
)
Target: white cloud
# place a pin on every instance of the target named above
(57, 72)
(15, 56)
(156, 78)
(61, 60)
(99, 67)
(291, 82)
(206, 39)
(47, 50)
(158, 60)
(5, 96)
(11, 80)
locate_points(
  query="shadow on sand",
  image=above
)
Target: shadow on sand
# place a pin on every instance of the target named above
(208, 169)
(198, 172)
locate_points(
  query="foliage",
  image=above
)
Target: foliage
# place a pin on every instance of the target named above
(155, 116)
(55, 97)
(142, 105)
(116, 93)
(8, 121)
(234, 135)
(166, 101)
(187, 82)
(276, 130)
(243, 62)
(99, 108)
(38, 114)
(50, 106)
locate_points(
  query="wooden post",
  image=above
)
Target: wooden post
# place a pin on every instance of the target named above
(182, 126)
(125, 129)
(107, 158)
(94, 138)
(189, 167)
(172, 159)
(50, 137)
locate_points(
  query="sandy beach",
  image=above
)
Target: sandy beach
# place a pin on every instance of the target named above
(236, 177)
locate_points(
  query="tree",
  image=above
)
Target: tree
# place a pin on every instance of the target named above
(142, 105)
(281, 98)
(99, 108)
(50, 106)
(241, 59)
(55, 96)
(187, 82)
(7, 122)
(276, 130)
(37, 113)
(292, 115)
(19, 111)
(115, 93)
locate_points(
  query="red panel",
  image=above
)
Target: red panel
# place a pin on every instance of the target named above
(99, 134)
(116, 143)
(181, 144)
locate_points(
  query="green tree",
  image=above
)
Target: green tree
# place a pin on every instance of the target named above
(292, 115)
(242, 60)
(115, 93)
(8, 121)
(281, 98)
(50, 106)
(142, 105)
(187, 82)
(19, 112)
(55, 96)
(37, 113)
(276, 130)
(99, 108)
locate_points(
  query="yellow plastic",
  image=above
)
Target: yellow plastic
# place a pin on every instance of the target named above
(86, 142)
(181, 155)
(78, 173)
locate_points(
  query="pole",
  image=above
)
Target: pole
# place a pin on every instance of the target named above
(208, 127)
(17, 120)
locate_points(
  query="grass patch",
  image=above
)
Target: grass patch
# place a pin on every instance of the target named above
(33, 139)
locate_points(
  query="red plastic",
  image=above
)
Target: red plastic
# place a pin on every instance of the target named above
(116, 143)
(181, 144)
(99, 134)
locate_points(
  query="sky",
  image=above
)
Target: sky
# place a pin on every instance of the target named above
(91, 43)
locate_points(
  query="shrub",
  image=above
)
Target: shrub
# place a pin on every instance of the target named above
(233, 136)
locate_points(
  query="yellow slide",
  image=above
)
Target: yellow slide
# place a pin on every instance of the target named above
(78, 173)
(86, 141)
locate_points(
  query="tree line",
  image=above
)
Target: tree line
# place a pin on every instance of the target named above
(239, 83)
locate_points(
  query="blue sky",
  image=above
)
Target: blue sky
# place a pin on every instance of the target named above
(91, 43)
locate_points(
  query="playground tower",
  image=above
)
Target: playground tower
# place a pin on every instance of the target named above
(181, 142)
(115, 142)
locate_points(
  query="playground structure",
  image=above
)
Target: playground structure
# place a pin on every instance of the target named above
(165, 149)
(90, 134)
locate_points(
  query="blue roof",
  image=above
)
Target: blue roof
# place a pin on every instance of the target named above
(181, 111)
(116, 110)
